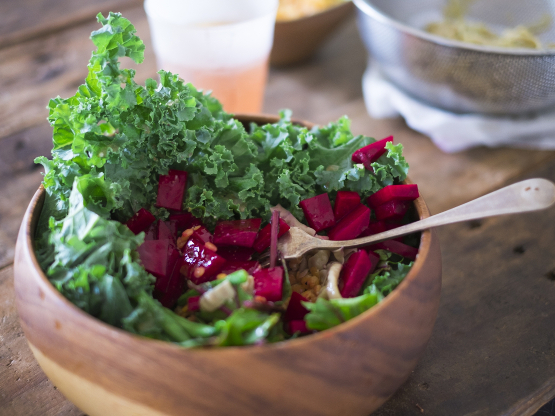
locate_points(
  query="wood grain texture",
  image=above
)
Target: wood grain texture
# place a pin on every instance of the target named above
(24, 389)
(32, 73)
(366, 359)
(42, 17)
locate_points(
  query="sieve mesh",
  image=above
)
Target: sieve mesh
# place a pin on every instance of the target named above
(457, 76)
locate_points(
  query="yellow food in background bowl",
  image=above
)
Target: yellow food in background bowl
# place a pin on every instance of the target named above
(455, 26)
(296, 9)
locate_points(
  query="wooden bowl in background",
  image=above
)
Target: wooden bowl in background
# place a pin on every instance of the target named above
(348, 370)
(297, 40)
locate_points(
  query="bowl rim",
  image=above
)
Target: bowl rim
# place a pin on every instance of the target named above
(371, 11)
(303, 19)
(32, 215)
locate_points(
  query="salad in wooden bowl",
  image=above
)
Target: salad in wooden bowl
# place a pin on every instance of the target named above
(137, 259)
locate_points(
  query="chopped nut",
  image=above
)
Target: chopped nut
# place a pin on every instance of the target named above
(314, 271)
(307, 294)
(297, 288)
(313, 281)
(302, 274)
(292, 278)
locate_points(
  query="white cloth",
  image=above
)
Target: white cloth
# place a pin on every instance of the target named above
(453, 132)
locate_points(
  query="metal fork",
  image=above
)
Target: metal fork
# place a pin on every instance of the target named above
(525, 196)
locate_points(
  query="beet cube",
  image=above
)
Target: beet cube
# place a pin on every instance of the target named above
(171, 189)
(318, 213)
(200, 232)
(140, 221)
(151, 233)
(351, 225)
(235, 253)
(392, 210)
(345, 202)
(184, 221)
(200, 264)
(297, 326)
(193, 303)
(355, 271)
(237, 233)
(370, 153)
(170, 293)
(395, 247)
(167, 230)
(376, 227)
(262, 242)
(162, 259)
(393, 193)
(268, 283)
(232, 266)
(295, 310)
(154, 256)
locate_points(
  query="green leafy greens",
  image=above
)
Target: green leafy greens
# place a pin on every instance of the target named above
(113, 139)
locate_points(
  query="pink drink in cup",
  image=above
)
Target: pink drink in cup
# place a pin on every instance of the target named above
(217, 45)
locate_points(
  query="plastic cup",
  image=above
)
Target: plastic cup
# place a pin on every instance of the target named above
(217, 45)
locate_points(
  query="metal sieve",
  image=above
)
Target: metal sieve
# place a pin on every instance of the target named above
(459, 76)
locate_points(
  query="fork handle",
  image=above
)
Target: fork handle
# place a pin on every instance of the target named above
(525, 196)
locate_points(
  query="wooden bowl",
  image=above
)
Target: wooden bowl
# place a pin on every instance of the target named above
(297, 40)
(348, 370)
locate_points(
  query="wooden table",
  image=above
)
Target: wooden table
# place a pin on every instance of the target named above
(493, 348)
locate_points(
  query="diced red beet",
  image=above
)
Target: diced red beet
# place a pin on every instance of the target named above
(154, 256)
(393, 193)
(237, 233)
(235, 253)
(151, 233)
(376, 227)
(395, 247)
(345, 202)
(171, 189)
(140, 221)
(355, 271)
(295, 310)
(318, 213)
(184, 221)
(268, 283)
(162, 259)
(392, 210)
(351, 225)
(175, 287)
(167, 230)
(262, 242)
(370, 153)
(298, 326)
(193, 303)
(200, 264)
(202, 234)
(232, 266)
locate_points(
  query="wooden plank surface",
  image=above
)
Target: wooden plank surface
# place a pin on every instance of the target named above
(486, 319)
(41, 17)
(24, 389)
